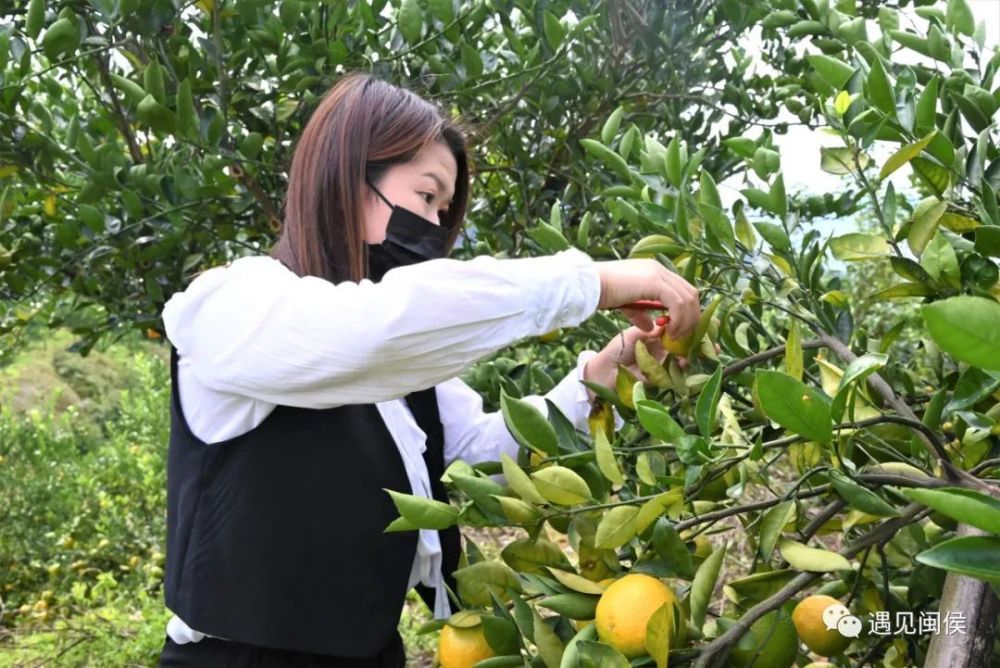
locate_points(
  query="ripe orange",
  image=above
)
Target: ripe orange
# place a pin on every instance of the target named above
(808, 620)
(625, 609)
(462, 648)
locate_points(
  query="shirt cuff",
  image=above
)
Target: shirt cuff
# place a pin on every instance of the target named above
(570, 395)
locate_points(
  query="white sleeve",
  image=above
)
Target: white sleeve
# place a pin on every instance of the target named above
(254, 328)
(474, 436)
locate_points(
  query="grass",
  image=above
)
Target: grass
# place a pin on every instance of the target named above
(82, 464)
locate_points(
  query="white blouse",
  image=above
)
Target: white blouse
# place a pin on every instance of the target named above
(252, 334)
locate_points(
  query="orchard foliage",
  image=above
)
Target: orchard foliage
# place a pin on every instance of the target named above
(813, 445)
(145, 141)
(804, 446)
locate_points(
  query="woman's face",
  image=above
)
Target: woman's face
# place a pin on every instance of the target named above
(425, 186)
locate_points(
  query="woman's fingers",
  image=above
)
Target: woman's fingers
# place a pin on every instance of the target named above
(638, 317)
(682, 300)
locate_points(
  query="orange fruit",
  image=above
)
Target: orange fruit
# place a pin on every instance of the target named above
(625, 608)
(462, 648)
(808, 620)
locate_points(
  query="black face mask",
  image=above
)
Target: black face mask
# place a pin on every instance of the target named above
(409, 238)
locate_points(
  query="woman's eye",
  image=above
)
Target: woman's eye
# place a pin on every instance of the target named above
(428, 197)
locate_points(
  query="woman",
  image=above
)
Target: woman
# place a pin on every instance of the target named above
(308, 381)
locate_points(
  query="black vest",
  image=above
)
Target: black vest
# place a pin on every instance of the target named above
(275, 537)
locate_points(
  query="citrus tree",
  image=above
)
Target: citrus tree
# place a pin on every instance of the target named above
(808, 478)
(145, 141)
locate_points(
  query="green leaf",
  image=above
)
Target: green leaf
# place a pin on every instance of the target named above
(517, 511)
(772, 524)
(975, 556)
(777, 197)
(472, 61)
(655, 419)
(926, 216)
(134, 93)
(840, 160)
(904, 155)
(410, 21)
(528, 425)
(793, 352)
(859, 497)
(775, 235)
(708, 403)
(880, 90)
(599, 654)
(926, 111)
(61, 38)
(443, 10)
(519, 481)
(187, 116)
(804, 558)
(856, 246)
(611, 159)
(964, 505)
(939, 259)
(422, 512)
(478, 581)
(959, 17)
(554, 30)
(704, 584)
(611, 125)
(616, 528)
(794, 406)
(652, 244)
(550, 647)
(967, 328)
(501, 634)
(741, 146)
(571, 657)
(606, 461)
(548, 237)
(958, 223)
(856, 371)
(709, 193)
(575, 582)
(988, 241)
(836, 72)
(902, 290)
(755, 588)
(35, 18)
(658, 630)
(534, 556)
(671, 549)
(573, 606)
(672, 161)
(152, 81)
(936, 177)
(561, 485)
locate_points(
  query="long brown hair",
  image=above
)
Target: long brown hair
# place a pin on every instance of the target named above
(362, 127)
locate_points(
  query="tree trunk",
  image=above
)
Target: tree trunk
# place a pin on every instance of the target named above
(979, 604)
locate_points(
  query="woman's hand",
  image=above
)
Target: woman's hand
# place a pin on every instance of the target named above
(625, 281)
(603, 367)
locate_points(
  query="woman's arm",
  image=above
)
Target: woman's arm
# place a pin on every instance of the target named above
(256, 329)
(472, 435)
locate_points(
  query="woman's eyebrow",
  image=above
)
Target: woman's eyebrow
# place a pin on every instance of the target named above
(437, 179)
